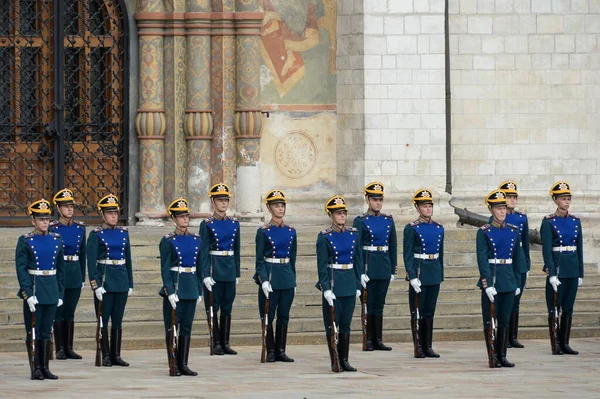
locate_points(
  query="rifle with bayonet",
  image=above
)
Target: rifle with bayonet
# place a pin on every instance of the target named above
(363, 310)
(492, 330)
(99, 327)
(173, 334)
(32, 338)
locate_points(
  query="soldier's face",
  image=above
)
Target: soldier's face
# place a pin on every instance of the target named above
(563, 202)
(110, 217)
(339, 217)
(221, 204)
(277, 210)
(511, 200)
(182, 221)
(66, 210)
(426, 210)
(41, 223)
(375, 204)
(499, 212)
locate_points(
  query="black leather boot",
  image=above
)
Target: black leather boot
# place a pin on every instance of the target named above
(176, 369)
(486, 331)
(418, 351)
(183, 352)
(104, 346)
(343, 350)
(225, 332)
(280, 343)
(69, 330)
(217, 349)
(370, 332)
(115, 348)
(378, 345)
(271, 344)
(565, 333)
(45, 361)
(428, 329)
(59, 340)
(513, 331)
(501, 342)
(36, 371)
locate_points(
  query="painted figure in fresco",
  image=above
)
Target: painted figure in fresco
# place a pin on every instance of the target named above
(182, 285)
(340, 265)
(562, 248)
(111, 276)
(276, 248)
(424, 263)
(377, 237)
(220, 262)
(74, 238)
(39, 262)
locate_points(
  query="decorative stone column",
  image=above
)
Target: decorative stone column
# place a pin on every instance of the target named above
(198, 113)
(248, 116)
(150, 121)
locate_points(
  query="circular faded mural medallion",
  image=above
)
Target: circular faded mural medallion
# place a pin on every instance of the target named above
(295, 154)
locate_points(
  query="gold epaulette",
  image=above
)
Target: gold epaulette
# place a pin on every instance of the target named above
(79, 222)
(512, 226)
(98, 229)
(415, 223)
(28, 235)
(485, 226)
(327, 230)
(124, 228)
(53, 223)
(550, 216)
(170, 235)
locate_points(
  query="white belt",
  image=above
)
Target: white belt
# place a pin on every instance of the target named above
(111, 261)
(42, 272)
(563, 249)
(222, 253)
(341, 266)
(496, 261)
(71, 257)
(427, 256)
(277, 260)
(184, 269)
(372, 248)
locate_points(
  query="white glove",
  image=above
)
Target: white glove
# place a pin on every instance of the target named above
(392, 278)
(527, 275)
(99, 292)
(129, 292)
(266, 287)
(364, 279)
(237, 280)
(295, 290)
(416, 284)
(199, 301)
(208, 282)
(357, 293)
(60, 303)
(329, 297)
(554, 282)
(491, 291)
(31, 301)
(82, 285)
(173, 299)
(517, 291)
(579, 282)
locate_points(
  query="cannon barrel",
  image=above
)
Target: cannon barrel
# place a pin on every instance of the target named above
(475, 219)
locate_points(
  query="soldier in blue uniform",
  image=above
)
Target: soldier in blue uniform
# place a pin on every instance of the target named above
(220, 260)
(180, 270)
(500, 271)
(40, 271)
(111, 276)
(377, 236)
(562, 248)
(73, 235)
(276, 248)
(340, 265)
(424, 263)
(518, 219)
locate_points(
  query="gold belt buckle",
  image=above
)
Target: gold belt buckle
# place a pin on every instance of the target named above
(115, 262)
(46, 272)
(69, 257)
(281, 260)
(344, 267)
(502, 261)
(380, 248)
(431, 256)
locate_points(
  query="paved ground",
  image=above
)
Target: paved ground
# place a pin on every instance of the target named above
(460, 373)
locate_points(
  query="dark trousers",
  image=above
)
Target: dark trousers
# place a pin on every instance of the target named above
(344, 308)
(44, 317)
(503, 302)
(517, 301)
(377, 291)
(113, 308)
(427, 300)
(223, 297)
(280, 301)
(70, 301)
(567, 291)
(186, 309)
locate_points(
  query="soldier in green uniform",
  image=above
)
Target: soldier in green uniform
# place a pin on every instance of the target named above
(340, 265)
(40, 270)
(424, 263)
(377, 237)
(518, 219)
(276, 247)
(562, 248)
(111, 276)
(220, 260)
(73, 235)
(180, 270)
(500, 271)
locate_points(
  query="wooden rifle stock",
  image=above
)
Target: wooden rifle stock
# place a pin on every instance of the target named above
(364, 319)
(417, 343)
(492, 337)
(173, 343)
(52, 343)
(32, 356)
(555, 327)
(265, 326)
(210, 320)
(333, 341)
(98, 362)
